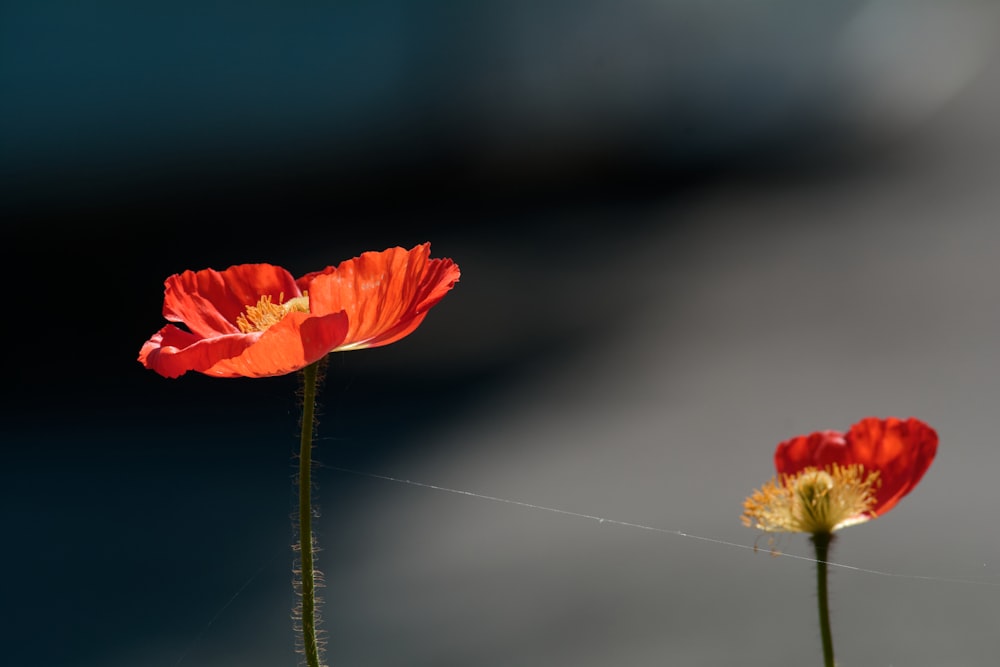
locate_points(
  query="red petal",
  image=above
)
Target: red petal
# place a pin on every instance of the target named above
(816, 449)
(386, 295)
(290, 345)
(297, 341)
(171, 352)
(209, 301)
(901, 450)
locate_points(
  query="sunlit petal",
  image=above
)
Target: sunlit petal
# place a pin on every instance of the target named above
(256, 320)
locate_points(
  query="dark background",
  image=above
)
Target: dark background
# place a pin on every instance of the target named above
(686, 232)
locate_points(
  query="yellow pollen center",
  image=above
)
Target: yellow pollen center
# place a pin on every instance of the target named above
(813, 500)
(267, 313)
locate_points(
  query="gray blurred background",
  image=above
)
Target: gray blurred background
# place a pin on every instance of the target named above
(687, 231)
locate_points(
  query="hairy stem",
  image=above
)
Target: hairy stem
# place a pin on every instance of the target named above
(309, 644)
(822, 543)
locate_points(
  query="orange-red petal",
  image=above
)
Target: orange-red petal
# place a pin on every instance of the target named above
(290, 345)
(386, 295)
(171, 351)
(901, 450)
(208, 301)
(297, 341)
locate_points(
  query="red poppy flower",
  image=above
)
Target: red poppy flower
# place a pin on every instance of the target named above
(828, 480)
(256, 320)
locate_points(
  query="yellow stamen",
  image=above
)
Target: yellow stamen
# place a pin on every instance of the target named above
(266, 313)
(813, 500)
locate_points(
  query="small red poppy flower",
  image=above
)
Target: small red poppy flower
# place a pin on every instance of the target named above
(828, 480)
(256, 320)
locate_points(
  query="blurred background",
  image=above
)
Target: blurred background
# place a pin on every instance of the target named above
(687, 231)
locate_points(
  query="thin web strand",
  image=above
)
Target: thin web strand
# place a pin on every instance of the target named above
(211, 622)
(654, 529)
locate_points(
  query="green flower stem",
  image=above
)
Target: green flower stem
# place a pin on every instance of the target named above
(822, 543)
(309, 644)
